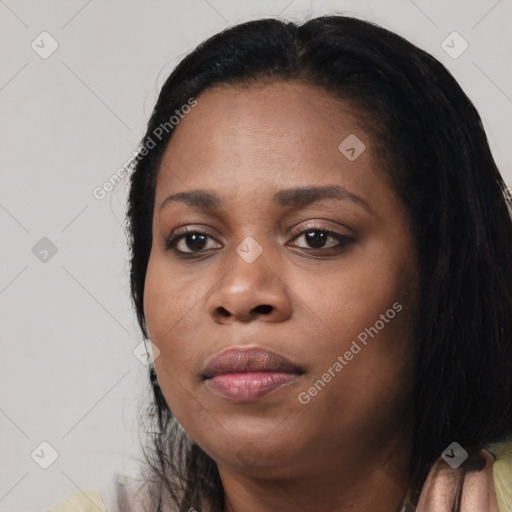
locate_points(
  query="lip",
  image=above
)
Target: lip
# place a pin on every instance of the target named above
(246, 374)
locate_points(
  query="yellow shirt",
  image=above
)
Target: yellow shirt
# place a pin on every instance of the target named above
(502, 470)
(126, 488)
(88, 501)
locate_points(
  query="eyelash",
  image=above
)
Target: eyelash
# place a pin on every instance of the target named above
(172, 241)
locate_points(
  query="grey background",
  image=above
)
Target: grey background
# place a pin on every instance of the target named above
(68, 375)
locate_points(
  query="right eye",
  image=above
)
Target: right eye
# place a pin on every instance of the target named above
(194, 240)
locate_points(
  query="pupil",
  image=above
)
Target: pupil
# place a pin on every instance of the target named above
(195, 241)
(316, 241)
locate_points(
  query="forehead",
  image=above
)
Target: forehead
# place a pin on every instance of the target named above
(264, 136)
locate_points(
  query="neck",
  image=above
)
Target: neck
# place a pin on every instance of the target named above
(380, 486)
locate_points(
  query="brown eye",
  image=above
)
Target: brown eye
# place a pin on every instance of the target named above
(318, 238)
(196, 241)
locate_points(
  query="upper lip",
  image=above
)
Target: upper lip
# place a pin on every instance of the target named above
(248, 359)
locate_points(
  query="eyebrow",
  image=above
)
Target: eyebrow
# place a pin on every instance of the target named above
(294, 198)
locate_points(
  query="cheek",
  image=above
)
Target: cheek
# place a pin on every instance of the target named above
(165, 310)
(374, 378)
(366, 302)
(355, 294)
(168, 312)
(176, 322)
(167, 300)
(156, 300)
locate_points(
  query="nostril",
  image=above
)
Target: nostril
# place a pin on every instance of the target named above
(265, 309)
(223, 311)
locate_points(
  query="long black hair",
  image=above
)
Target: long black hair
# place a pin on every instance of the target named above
(434, 150)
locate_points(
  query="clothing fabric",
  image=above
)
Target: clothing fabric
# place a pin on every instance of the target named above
(487, 490)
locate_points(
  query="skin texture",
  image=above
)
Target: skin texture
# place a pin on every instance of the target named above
(347, 448)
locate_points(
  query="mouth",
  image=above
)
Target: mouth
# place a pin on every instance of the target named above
(244, 374)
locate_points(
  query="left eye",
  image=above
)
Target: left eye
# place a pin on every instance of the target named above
(317, 238)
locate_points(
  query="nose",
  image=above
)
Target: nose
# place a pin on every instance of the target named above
(250, 291)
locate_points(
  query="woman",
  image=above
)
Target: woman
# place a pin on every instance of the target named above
(321, 256)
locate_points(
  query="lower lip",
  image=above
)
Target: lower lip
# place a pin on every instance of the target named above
(250, 386)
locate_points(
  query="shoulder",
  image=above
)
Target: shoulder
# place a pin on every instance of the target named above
(503, 473)
(120, 493)
(127, 493)
(89, 500)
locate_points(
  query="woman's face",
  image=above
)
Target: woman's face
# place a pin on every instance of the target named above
(305, 251)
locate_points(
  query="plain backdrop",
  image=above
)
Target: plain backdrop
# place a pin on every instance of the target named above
(68, 376)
